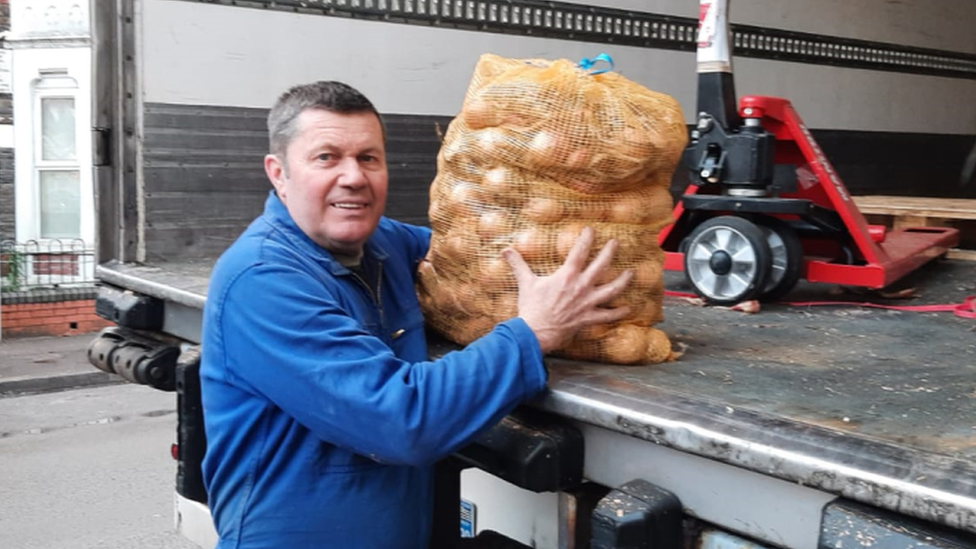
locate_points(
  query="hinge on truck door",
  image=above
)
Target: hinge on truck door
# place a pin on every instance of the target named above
(101, 147)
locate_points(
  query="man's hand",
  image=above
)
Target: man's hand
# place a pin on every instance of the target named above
(557, 306)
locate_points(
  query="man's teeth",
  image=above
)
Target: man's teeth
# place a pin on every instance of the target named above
(349, 206)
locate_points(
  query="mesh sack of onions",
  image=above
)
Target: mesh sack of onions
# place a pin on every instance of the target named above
(540, 150)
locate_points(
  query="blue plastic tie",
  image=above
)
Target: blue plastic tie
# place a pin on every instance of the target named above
(587, 64)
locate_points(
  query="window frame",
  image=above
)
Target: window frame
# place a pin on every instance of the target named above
(51, 260)
(53, 85)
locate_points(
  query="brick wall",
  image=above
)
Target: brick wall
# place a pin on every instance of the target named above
(50, 319)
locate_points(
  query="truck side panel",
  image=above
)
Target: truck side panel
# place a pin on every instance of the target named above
(205, 86)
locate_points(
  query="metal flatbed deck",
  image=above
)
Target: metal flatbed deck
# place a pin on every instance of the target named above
(874, 405)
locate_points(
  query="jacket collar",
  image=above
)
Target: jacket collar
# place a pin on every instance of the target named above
(277, 215)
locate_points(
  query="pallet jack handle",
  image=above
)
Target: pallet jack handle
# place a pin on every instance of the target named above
(716, 85)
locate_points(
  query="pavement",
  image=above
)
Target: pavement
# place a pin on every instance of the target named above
(47, 364)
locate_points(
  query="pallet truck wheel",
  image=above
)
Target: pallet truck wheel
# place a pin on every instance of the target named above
(786, 258)
(727, 260)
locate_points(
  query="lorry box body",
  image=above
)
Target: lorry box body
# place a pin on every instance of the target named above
(772, 429)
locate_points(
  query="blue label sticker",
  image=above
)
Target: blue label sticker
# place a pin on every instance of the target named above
(467, 519)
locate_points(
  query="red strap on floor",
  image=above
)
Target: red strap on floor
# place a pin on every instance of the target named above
(966, 309)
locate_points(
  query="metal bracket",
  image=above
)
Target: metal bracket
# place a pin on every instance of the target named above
(638, 514)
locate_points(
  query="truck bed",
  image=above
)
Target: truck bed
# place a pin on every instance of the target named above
(875, 405)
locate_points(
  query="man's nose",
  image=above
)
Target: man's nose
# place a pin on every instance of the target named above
(352, 173)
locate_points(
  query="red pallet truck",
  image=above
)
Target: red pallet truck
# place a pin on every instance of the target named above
(765, 207)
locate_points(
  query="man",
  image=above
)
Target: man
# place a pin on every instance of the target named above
(323, 413)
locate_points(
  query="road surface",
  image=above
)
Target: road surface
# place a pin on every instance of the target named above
(88, 469)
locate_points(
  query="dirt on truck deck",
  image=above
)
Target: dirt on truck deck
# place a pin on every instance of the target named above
(904, 378)
(907, 378)
(877, 406)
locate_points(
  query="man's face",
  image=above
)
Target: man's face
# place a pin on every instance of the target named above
(335, 183)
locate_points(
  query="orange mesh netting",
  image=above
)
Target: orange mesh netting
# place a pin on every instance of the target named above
(540, 150)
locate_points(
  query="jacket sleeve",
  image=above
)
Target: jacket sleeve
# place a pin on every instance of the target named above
(416, 238)
(294, 346)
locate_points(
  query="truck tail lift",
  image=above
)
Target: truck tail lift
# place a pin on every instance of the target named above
(765, 207)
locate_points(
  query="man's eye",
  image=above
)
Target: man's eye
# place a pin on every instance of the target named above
(368, 158)
(325, 157)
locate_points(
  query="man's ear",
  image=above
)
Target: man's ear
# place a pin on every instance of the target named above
(276, 174)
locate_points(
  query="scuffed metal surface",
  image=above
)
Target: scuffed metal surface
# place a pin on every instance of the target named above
(184, 283)
(848, 525)
(716, 539)
(873, 405)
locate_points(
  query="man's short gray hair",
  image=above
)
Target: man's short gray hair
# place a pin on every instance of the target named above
(326, 95)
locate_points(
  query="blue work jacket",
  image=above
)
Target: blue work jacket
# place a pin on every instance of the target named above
(323, 412)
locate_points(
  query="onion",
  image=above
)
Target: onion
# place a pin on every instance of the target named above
(478, 113)
(751, 306)
(651, 312)
(627, 210)
(544, 210)
(442, 301)
(468, 296)
(506, 306)
(658, 347)
(434, 210)
(581, 185)
(426, 270)
(625, 344)
(594, 331)
(496, 276)
(638, 144)
(543, 149)
(566, 238)
(646, 239)
(493, 224)
(451, 149)
(462, 199)
(496, 177)
(498, 181)
(531, 242)
(497, 267)
(491, 141)
(427, 284)
(452, 250)
(592, 210)
(426, 302)
(648, 274)
(578, 159)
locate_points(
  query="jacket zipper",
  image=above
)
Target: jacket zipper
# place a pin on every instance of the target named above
(376, 296)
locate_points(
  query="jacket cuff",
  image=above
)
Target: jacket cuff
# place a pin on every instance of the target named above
(534, 372)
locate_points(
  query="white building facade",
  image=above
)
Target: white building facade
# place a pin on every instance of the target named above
(50, 70)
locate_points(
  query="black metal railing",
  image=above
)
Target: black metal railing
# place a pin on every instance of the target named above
(48, 263)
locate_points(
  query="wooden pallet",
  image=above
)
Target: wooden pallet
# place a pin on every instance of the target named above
(910, 211)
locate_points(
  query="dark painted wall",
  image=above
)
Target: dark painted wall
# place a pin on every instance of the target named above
(901, 164)
(7, 223)
(7, 216)
(205, 181)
